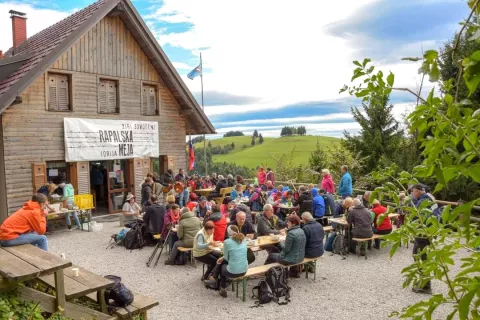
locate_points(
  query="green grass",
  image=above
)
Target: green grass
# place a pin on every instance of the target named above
(263, 154)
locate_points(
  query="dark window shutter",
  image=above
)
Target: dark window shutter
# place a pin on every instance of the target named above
(145, 100)
(152, 101)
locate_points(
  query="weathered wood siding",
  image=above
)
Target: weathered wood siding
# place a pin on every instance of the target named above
(31, 134)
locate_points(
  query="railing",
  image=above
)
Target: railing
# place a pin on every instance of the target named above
(360, 191)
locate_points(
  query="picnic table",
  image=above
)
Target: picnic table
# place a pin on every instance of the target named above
(204, 192)
(79, 286)
(259, 242)
(27, 262)
(87, 213)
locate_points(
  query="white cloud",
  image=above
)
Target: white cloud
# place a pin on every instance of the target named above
(37, 20)
(277, 50)
(181, 65)
(332, 116)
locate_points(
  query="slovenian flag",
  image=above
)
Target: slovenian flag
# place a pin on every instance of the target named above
(191, 156)
(195, 72)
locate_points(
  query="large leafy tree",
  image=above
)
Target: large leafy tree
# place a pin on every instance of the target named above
(379, 135)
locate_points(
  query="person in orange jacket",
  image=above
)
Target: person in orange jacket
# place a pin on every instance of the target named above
(27, 225)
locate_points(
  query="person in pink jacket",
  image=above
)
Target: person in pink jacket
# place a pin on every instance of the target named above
(262, 176)
(327, 182)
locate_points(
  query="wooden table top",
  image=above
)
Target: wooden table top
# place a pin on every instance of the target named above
(341, 221)
(75, 287)
(286, 206)
(25, 262)
(204, 190)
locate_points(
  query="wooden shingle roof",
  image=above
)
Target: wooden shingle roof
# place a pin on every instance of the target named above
(33, 57)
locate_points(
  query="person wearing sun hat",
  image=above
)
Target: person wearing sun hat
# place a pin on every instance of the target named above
(131, 210)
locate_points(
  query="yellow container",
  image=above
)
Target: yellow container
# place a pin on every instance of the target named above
(84, 201)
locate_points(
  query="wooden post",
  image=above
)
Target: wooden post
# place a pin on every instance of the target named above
(101, 301)
(60, 291)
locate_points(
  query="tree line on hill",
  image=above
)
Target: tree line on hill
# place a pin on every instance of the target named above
(291, 131)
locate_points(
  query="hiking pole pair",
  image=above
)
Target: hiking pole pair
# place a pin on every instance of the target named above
(163, 246)
(157, 246)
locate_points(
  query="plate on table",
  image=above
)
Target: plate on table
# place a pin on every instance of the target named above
(64, 210)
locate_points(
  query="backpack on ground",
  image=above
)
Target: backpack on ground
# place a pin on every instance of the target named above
(277, 280)
(134, 238)
(117, 239)
(119, 293)
(181, 259)
(339, 245)
(262, 293)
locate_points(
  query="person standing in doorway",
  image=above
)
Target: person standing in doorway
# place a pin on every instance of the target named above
(97, 181)
(345, 189)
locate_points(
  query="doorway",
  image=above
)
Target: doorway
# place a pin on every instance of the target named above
(110, 182)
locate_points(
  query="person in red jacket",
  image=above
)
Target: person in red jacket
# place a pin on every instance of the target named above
(262, 176)
(27, 225)
(220, 224)
(385, 227)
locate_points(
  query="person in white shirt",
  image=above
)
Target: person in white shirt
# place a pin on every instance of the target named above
(131, 210)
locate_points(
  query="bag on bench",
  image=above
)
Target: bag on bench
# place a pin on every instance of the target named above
(119, 293)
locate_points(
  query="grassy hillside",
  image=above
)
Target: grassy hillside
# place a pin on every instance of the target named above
(262, 154)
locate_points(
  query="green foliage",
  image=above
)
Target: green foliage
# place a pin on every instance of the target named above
(339, 156)
(253, 141)
(209, 143)
(318, 159)
(255, 133)
(447, 130)
(380, 133)
(233, 145)
(290, 131)
(260, 138)
(12, 308)
(233, 134)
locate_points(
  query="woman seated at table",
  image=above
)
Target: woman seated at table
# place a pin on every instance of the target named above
(172, 217)
(131, 210)
(202, 250)
(293, 249)
(224, 207)
(220, 223)
(256, 200)
(237, 192)
(385, 227)
(234, 262)
(360, 219)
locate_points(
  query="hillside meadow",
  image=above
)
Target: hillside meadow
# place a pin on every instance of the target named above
(250, 156)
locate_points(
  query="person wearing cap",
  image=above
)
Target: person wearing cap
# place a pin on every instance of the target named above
(419, 195)
(188, 227)
(202, 209)
(234, 262)
(131, 210)
(27, 225)
(345, 188)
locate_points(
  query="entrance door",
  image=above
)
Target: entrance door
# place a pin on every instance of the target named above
(118, 184)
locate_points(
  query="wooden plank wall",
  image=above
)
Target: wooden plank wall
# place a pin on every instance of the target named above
(108, 49)
(31, 134)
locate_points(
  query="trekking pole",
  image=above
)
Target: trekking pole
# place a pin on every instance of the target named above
(163, 246)
(152, 256)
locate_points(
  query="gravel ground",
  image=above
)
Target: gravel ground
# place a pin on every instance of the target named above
(354, 288)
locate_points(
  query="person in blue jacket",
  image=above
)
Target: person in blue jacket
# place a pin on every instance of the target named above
(345, 188)
(318, 204)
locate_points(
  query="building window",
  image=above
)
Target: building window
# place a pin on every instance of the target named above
(59, 92)
(108, 96)
(57, 172)
(149, 100)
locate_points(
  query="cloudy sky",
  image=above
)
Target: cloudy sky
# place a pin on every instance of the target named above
(271, 63)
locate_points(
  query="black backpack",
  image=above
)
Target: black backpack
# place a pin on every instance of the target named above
(119, 293)
(181, 259)
(134, 238)
(277, 279)
(263, 293)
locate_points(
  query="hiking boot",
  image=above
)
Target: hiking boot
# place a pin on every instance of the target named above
(223, 292)
(210, 283)
(427, 290)
(168, 262)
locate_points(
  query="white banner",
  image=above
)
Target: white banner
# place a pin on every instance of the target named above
(93, 139)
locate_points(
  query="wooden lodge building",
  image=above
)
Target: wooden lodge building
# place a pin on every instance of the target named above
(93, 92)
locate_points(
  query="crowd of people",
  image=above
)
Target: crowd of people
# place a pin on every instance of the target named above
(185, 220)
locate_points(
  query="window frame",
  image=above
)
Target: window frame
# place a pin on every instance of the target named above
(71, 89)
(157, 96)
(118, 84)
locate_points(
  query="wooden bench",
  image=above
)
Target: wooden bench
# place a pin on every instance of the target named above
(223, 193)
(261, 270)
(140, 305)
(364, 242)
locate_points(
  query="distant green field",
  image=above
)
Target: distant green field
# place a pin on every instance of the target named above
(262, 154)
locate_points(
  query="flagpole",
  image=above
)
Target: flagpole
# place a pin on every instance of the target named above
(203, 108)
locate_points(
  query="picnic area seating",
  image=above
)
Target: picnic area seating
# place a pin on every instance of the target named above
(363, 242)
(189, 251)
(140, 305)
(261, 270)
(223, 193)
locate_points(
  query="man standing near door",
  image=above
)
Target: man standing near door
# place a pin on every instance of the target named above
(182, 196)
